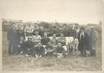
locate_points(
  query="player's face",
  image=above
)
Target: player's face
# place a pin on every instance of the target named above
(39, 44)
(59, 44)
(37, 33)
(54, 35)
(45, 34)
(62, 35)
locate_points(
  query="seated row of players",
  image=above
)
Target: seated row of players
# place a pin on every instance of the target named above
(38, 46)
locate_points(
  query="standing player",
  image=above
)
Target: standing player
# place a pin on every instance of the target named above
(28, 31)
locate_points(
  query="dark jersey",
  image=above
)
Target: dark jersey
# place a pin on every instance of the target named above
(45, 41)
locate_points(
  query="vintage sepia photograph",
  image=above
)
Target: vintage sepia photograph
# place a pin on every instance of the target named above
(51, 35)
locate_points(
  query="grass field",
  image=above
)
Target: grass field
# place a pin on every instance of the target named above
(69, 63)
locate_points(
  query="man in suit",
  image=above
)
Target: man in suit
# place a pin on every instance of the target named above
(92, 39)
(83, 39)
(13, 41)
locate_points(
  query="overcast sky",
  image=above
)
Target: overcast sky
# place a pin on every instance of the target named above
(81, 11)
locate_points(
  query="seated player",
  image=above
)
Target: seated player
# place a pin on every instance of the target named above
(28, 46)
(36, 38)
(61, 39)
(21, 45)
(53, 41)
(38, 50)
(49, 49)
(60, 52)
